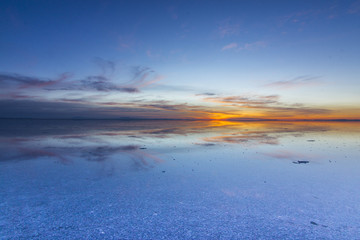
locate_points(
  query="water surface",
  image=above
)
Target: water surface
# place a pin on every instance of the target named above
(68, 179)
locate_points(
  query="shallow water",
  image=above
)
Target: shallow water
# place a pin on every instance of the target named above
(82, 179)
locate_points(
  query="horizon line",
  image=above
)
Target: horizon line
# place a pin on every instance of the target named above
(191, 119)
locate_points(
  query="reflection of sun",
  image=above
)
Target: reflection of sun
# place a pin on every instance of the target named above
(221, 123)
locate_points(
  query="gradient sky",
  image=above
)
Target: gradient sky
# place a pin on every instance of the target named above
(180, 59)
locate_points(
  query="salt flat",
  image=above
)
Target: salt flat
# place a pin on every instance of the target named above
(68, 179)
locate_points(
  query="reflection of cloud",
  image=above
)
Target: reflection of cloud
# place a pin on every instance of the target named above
(206, 144)
(264, 134)
(244, 138)
(25, 150)
(295, 82)
(102, 153)
(26, 153)
(282, 154)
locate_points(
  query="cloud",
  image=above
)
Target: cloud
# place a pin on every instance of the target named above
(229, 46)
(206, 94)
(300, 18)
(295, 82)
(172, 11)
(265, 107)
(107, 67)
(126, 42)
(142, 77)
(254, 100)
(64, 110)
(16, 96)
(253, 45)
(354, 8)
(247, 46)
(83, 108)
(226, 28)
(104, 82)
(21, 82)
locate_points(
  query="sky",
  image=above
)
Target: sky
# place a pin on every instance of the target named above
(239, 60)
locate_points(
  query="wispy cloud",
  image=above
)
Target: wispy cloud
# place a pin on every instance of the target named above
(250, 100)
(126, 42)
(172, 11)
(229, 46)
(20, 81)
(104, 82)
(228, 28)
(253, 45)
(267, 106)
(354, 8)
(295, 82)
(299, 18)
(206, 94)
(247, 46)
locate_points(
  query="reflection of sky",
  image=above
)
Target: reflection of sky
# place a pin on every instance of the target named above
(64, 140)
(103, 179)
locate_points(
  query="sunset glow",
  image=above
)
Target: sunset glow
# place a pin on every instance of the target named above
(189, 62)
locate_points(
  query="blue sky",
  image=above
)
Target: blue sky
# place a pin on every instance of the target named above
(170, 52)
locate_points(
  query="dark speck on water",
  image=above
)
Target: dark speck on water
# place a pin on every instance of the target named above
(314, 223)
(300, 162)
(311, 140)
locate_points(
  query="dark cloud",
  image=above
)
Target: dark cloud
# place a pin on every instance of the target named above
(101, 83)
(20, 81)
(206, 94)
(104, 82)
(84, 108)
(65, 110)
